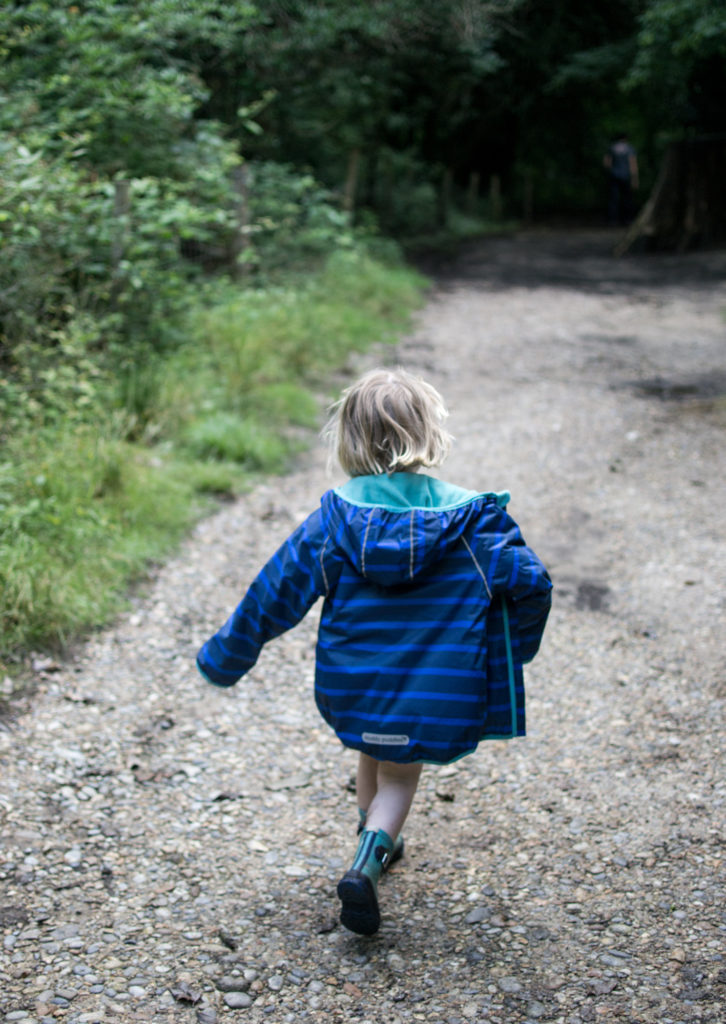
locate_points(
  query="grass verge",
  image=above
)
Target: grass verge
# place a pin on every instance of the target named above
(86, 506)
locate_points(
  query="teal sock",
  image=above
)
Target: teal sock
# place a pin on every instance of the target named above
(362, 815)
(374, 852)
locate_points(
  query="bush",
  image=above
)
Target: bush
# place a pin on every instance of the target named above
(293, 220)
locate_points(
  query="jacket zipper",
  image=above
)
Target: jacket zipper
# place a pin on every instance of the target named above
(510, 666)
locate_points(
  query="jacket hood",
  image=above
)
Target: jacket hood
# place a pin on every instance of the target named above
(392, 527)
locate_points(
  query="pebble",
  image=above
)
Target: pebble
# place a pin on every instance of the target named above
(66, 993)
(230, 983)
(237, 1000)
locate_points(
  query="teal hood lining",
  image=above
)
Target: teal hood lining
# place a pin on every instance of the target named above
(405, 491)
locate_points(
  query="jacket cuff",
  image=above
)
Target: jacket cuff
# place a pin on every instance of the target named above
(214, 682)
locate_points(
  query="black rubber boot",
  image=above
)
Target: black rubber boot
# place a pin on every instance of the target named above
(359, 912)
(358, 888)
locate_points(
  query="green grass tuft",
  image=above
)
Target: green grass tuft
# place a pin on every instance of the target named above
(229, 438)
(79, 520)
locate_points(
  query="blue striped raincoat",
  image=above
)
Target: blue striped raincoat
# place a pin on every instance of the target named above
(432, 603)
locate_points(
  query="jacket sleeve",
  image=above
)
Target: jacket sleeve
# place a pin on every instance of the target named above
(517, 574)
(278, 598)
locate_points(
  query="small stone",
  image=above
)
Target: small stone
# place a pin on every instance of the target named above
(226, 938)
(276, 982)
(232, 983)
(678, 955)
(184, 993)
(477, 915)
(396, 963)
(237, 1000)
(66, 993)
(296, 871)
(510, 985)
(602, 986)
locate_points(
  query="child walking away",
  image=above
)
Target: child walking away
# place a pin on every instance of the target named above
(432, 603)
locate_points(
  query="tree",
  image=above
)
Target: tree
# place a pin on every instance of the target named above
(680, 65)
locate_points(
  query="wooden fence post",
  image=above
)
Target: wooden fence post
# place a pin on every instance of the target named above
(444, 205)
(495, 197)
(121, 208)
(241, 185)
(528, 197)
(350, 186)
(473, 193)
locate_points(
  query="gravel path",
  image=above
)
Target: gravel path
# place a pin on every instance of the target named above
(170, 852)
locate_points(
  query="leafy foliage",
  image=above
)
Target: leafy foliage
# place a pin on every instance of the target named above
(118, 78)
(681, 55)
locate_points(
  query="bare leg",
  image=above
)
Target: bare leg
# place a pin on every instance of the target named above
(366, 781)
(396, 788)
(391, 788)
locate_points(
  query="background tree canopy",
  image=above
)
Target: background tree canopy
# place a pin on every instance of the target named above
(388, 102)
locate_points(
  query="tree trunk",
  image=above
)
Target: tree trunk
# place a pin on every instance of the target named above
(687, 206)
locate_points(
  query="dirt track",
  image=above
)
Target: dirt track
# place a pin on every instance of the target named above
(169, 850)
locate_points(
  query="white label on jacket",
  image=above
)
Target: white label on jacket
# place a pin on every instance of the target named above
(385, 741)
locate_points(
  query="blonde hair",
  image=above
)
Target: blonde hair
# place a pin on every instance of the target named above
(387, 422)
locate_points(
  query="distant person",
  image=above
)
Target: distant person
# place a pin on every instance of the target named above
(621, 163)
(432, 602)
